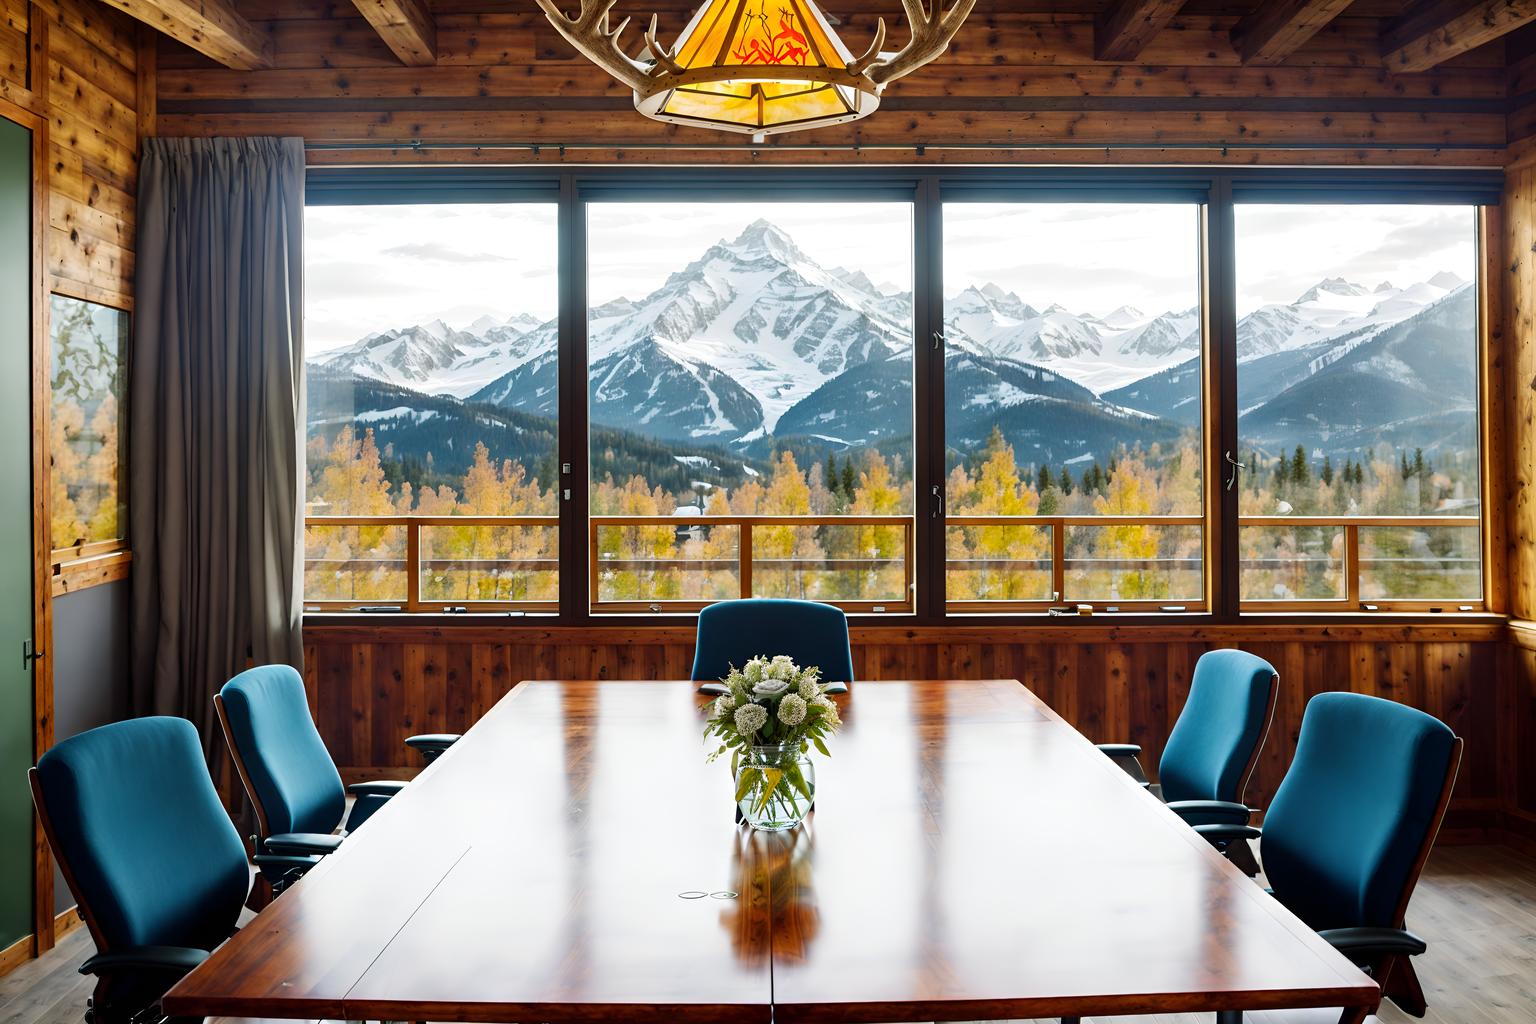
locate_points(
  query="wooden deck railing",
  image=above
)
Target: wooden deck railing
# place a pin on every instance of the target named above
(1353, 568)
(860, 562)
(392, 572)
(1063, 564)
(752, 560)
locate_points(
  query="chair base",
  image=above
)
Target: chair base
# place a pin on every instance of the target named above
(1400, 983)
(1239, 852)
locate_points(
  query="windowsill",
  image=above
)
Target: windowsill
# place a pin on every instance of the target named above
(1130, 622)
(79, 574)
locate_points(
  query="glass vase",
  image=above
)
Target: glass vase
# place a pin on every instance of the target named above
(775, 787)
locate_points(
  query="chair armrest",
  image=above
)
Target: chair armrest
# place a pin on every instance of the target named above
(170, 959)
(284, 863)
(1127, 756)
(1220, 835)
(1372, 943)
(1211, 812)
(438, 741)
(384, 788)
(301, 843)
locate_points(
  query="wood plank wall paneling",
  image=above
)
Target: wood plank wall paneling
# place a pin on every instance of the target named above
(373, 687)
(87, 78)
(93, 93)
(75, 67)
(1010, 79)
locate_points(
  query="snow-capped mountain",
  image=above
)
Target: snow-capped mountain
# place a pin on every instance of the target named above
(1410, 382)
(439, 359)
(1100, 353)
(1330, 288)
(1406, 380)
(754, 315)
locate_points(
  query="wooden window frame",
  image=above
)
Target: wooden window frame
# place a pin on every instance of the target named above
(1217, 192)
(95, 563)
(1489, 520)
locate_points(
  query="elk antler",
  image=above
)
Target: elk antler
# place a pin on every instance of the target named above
(931, 32)
(861, 64)
(665, 58)
(590, 34)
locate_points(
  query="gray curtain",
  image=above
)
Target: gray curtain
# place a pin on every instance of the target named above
(216, 393)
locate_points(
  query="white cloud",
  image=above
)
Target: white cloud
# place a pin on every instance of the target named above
(369, 268)
(1087, 257)
(1282, 250)
(633, 247)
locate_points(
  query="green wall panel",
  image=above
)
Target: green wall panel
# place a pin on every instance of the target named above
(15, 530)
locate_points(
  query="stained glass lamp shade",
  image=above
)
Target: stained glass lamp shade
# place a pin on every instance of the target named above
(759, 67)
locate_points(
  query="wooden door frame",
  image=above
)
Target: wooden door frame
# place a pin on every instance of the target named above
(25, 108)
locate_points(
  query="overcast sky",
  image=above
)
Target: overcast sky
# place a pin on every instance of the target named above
(369, 268)
(1088, 257)
(1284, 250)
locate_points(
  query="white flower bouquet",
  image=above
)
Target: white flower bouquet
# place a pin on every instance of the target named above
(768, 722)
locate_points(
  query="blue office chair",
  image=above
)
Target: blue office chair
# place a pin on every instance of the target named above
(734, 632)
(1215, 744)
(1351, 826)
(288, 774)
(152, 859)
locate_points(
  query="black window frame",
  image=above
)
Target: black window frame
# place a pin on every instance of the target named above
(928, 188)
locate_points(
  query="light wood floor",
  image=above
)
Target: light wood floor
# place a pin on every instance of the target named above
(1476, 907)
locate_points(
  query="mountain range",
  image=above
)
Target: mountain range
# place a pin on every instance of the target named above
(754, 344)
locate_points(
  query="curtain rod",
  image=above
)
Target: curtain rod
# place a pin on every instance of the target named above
(918, 148)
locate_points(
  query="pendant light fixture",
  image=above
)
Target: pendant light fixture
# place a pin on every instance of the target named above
(758, 66)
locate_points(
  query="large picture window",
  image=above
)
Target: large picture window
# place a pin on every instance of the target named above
(429, 488)
(1357, 349)
(962, 393)
(750, 403)
(1072, 386)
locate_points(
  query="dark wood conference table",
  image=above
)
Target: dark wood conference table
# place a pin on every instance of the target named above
(573, 858)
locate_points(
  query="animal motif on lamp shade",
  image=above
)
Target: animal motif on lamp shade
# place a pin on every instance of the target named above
(758, 66)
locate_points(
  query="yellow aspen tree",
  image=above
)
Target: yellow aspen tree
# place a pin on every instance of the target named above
(999, 491)
(720, 550)
(787, 495)
(960, 497)
(66, 522)
(877, 495)
(102, 473)
(1130, 493)
(353, 483)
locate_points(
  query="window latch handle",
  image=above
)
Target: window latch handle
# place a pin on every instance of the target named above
(938, 340)
(1237, 467)
(938, 502)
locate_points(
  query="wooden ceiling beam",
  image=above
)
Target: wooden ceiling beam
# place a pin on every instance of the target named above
(211, 27)
(1123, 31)
(406, 26)
(1434, 33)
(1278, 28)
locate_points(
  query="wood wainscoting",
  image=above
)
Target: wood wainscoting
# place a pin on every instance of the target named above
(370, 687)
(1517, 717)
